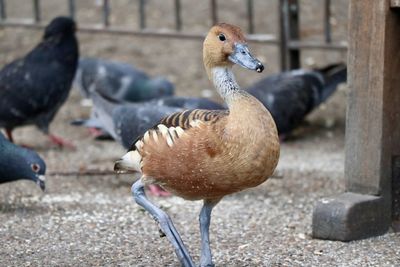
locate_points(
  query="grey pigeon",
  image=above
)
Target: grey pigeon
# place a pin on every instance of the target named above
(161, 105)
(33, 88)
(18, 163)
(125, 122)
(119, 81)
(291, 95)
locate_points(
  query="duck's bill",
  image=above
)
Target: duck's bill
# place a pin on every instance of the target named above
(241, 56)
(41, 182)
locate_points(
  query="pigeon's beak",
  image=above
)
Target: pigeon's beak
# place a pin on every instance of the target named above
(241, 56)
(41, 179)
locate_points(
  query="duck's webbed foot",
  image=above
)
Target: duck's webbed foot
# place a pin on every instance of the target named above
(165, 223)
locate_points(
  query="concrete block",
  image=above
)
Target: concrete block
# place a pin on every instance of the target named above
(350, 216)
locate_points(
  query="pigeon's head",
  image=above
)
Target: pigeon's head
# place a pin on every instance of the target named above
(60, 26)
(31, 167)
(160, 86)
(22, 163)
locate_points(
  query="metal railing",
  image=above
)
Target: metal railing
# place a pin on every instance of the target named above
(288, 40)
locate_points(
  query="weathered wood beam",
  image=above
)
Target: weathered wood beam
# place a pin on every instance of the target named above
(372, 126)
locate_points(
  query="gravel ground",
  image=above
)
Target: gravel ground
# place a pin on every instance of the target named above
(92, 220)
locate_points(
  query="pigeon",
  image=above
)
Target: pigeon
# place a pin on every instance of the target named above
(291, 95)
(18, 163)
(33, 88)
(119, 81)
(125, 122)
(147, 110)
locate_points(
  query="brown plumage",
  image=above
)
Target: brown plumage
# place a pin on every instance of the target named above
(218, 152)
(202, 154)
(183, 119)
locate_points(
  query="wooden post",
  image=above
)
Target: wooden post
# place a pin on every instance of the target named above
(372, 127)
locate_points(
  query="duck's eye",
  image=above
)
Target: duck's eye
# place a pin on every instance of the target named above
(35, 167)
(221, 37)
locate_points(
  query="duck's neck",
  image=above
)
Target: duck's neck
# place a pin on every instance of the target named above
(225, 83)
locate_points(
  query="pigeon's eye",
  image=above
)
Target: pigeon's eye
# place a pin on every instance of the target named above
(35, 167)
(221, 37)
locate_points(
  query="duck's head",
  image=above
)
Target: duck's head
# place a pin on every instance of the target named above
(226, 45)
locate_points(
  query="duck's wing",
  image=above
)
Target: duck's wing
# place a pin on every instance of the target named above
(186, 118)
(175, 124)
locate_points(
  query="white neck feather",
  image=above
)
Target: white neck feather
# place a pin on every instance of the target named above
(225, 83)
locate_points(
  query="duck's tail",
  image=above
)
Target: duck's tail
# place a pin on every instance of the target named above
(333, 75)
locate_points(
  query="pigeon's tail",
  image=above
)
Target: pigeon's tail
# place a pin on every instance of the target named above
(103, 109)
(88, 123)
(334, 75)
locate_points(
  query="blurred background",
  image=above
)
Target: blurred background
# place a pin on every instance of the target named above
(180, 59)
(86, 219)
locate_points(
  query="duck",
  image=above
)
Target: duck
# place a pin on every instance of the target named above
(290, 96)
(207, 154)
(120, 81)
(34, 87)
(19, 163)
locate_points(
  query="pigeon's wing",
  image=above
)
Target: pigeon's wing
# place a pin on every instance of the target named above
(32, 92)
(127, 70)
(17, 102)
(108, 77)
(188, 102)
(133, 121)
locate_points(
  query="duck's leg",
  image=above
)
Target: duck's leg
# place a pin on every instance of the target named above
(165, 222)
(205, 218)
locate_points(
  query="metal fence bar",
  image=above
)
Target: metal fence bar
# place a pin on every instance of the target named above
(36, 10)
(289, 42)
(142, 14)
(72, 8)
(214, 13)
(3, 13)
(106, 13)
(250, 15)
(289, 31)
(283, 45)
(178, 15)
(255, 38)
(327, 24)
